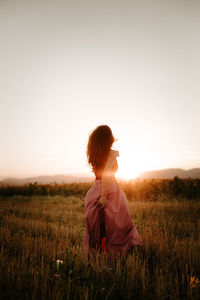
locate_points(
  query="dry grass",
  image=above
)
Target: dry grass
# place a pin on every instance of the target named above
(37, 231)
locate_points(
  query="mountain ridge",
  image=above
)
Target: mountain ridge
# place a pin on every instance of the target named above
(59, 179)
(171, 173)
(47, 179)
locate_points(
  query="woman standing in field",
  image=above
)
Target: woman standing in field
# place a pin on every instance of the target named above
(108, 222)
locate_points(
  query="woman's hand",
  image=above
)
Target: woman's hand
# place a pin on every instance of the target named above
(102, 201)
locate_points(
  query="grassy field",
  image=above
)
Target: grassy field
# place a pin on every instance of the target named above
(38, 231)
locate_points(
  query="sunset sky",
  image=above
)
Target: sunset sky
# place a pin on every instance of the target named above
(68, 66)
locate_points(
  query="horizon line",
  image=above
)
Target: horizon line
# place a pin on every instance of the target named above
(90, 175)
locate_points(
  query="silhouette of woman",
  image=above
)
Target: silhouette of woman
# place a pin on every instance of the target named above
(108, 223)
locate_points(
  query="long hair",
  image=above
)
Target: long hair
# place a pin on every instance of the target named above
(98, 147)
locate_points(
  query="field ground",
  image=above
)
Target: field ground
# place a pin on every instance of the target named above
(37, 231)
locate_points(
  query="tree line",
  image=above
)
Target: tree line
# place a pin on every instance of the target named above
(138, 190)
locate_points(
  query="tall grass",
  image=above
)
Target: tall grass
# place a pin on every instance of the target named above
(38, 231)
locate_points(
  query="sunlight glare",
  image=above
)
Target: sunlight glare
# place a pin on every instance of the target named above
(134, 162)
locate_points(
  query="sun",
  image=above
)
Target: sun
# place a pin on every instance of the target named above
(129, 169)
(132, 163)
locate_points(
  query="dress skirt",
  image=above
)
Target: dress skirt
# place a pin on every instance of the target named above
(109, 229)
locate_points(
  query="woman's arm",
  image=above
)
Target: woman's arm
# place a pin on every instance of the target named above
(108, 173)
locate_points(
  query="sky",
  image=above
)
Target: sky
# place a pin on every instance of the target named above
(69, 66)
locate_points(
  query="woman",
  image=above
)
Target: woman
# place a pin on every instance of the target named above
(108, 222)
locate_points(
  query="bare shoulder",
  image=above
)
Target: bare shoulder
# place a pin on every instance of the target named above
(114, 153)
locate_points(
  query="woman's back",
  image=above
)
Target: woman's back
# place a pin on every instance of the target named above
(108, 220)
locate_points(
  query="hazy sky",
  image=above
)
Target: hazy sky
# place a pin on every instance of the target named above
(68, 66)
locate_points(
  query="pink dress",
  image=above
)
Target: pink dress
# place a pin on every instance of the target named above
(110, 228)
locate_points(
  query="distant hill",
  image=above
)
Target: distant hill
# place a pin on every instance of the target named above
(170, 173)
(157, 174)
(47, 179)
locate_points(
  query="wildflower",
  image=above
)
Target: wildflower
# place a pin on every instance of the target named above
(58, 262)
(194, 281)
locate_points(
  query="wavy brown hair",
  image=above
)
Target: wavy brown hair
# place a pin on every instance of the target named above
(98, 147)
